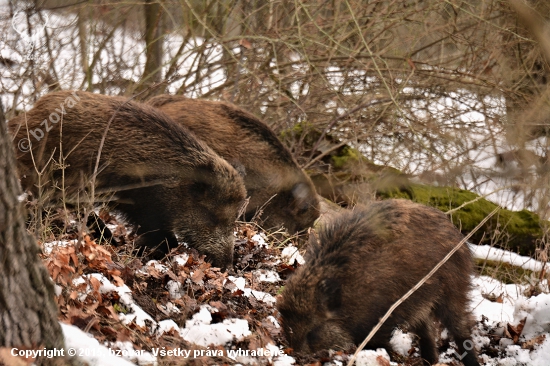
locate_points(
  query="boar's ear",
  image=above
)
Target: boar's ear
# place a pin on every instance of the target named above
(330, 293)
(300, 194)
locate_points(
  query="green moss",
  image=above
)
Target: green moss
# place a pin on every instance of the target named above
(504, 272)
(517, 231)
(352, 178)
(298, 129)
(347, 155)
(119, 308)
(391, 192)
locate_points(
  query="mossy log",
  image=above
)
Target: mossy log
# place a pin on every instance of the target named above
(519, 231)
(345, 176)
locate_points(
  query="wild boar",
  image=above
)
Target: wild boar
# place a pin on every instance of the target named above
(274, 181)
(362, 262)
(153, 170)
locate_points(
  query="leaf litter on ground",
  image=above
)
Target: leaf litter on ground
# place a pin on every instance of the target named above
(144, 307)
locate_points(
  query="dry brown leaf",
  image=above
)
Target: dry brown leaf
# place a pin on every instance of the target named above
(246, 44)
(94, 282)
(153, 272)
(197, 276)
(73, 256)
(515, 332)
(530, 344)
(218, 305)
(54, 272)
(160, 308)
(118, 281)
(172, 275)
(109, 311)
(382, 361)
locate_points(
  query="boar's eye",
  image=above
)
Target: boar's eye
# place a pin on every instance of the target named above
(199, 189)
(302, 210)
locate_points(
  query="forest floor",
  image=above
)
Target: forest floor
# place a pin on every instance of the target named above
(181, 311)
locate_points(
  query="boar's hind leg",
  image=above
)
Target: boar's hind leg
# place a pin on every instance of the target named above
(458, 322)
(466, 350)
(148, 211)
(160, 240)
(426, 343)
(99, 229)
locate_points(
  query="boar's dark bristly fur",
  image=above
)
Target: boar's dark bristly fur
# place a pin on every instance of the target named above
(273, 179)
(363, 262)
(153, 170)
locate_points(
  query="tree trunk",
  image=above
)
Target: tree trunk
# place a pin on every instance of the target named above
(28, 313)
(153, 42)
(83, 39)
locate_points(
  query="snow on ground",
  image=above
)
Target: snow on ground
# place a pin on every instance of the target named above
(87, 348)
(136, 314)
(373, 358)
(291, 255)
(48, 247)
(401, 342)
(498, 308)
(200, 330)
(511, 306)
(485, 287)
(536, 311)
(263, 275)
(487, 252)
(259, 295)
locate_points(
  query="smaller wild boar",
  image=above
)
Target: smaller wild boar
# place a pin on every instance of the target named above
(153, 170)
(362, 262)
(273, 179)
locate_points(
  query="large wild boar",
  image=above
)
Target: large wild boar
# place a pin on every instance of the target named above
(273, 179)
(363, 262)
(154, 171)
